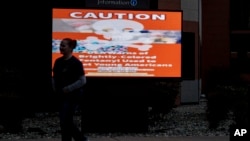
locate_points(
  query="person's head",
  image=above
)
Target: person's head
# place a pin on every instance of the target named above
(67, 45)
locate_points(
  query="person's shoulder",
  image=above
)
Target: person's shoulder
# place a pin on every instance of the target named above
(59, 59)
(75, 59)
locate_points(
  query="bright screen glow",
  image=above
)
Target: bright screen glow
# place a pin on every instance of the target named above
(122, 43)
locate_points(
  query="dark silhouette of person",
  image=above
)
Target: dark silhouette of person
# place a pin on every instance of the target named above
(68, 81)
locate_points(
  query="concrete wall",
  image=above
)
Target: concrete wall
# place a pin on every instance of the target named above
(190, 89)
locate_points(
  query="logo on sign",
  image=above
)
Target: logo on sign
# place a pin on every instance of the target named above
(133, 2)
